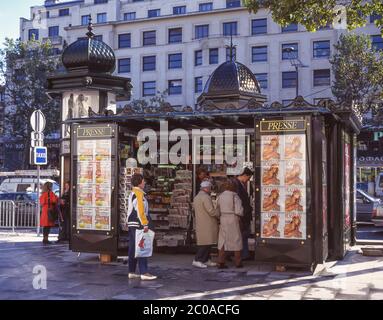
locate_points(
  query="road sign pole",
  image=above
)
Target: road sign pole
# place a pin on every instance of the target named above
(38, 200)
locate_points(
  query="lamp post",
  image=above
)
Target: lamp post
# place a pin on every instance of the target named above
(296, 63)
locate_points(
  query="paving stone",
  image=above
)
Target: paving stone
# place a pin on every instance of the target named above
(320, 293)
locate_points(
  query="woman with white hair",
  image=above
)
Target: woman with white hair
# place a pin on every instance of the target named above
(206, 216)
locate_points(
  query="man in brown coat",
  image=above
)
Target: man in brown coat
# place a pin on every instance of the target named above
(206, 226)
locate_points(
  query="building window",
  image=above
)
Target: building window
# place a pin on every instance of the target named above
(290, 28)
(33, 34)
(179, 10)
(374, 17)
(64, 12)
(289, 55)
(98, 37)
(124, 40)
(149, 88)
(262, 79)
(289, 79)
(233, 3)
(208, 6)
(53, 31)
(202, 31)
(229, 28)
(321, 49)
(149, 63)
(124, 65)
(175, 35)
(149, 38)
(198, 84)
(100, 1)
(228, 54)
(175, 87)
(129, 16)
(175, 61)
(213, 56)
(258, 26)
(198, 58)
(101, 18)
(259, 54)
(377, 42)
(85, 20)
(154, 13)
(322, 77)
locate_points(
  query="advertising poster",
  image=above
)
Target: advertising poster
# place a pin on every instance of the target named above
(94, 184)
(294, 226)
(272, 224)
(283, 186)
(272, 199)
(272, 147)
(272, 173)
(347, 168)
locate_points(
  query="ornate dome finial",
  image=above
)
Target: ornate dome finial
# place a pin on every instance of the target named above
(90, 33)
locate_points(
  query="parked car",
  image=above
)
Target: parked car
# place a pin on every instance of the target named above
(17, 184)
(368, 208)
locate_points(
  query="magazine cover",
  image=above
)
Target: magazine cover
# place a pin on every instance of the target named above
(295, 226)
(271, 147)
(272, 224)
(295, 147)
(295, 173)
(102, 197)
(272, 173)
(272, 199)
(85, 150)
(85, 172)
(295, 199)
(103, 150)
(85, 196)
(85, 218)
(102, 220)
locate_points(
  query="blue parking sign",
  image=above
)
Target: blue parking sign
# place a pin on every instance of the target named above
(40, 156)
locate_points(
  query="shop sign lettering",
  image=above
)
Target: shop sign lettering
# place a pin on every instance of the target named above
(94, 132)
(283, 125)
(366, 160)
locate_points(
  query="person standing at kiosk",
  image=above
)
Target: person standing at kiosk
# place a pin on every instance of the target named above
(240, 183)
(138, 218)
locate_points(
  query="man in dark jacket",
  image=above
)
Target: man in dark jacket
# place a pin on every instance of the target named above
(64, 234)
(241, 183)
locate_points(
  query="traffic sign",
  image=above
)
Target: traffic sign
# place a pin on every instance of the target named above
(38, 121)
(37, 139)
(40, 156)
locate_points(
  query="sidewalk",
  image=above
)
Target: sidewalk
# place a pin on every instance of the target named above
(70, 276)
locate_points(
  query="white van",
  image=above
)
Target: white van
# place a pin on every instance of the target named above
(379, 185)
(20, 184)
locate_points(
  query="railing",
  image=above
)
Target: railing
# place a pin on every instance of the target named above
(18, 214)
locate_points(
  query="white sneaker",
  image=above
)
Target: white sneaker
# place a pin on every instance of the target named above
(199, 264)
(210, 263)
(148, 276)
(134, 276)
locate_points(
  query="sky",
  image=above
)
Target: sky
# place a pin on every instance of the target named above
(10, 13)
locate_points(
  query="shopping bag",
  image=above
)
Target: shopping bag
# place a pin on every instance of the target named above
(144, 243)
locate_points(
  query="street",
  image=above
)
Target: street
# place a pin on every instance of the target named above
(70, 276)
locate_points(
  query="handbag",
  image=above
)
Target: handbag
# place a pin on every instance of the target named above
(52, 213)
(144, 243)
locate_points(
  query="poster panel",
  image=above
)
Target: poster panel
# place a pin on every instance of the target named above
(272, 224)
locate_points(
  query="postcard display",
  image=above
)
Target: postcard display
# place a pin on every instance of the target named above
(283, 186)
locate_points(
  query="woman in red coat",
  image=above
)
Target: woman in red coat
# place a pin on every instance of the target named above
(47, 197)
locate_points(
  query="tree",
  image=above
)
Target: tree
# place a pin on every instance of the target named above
(314, 14)
(24, 68)
(358, 72)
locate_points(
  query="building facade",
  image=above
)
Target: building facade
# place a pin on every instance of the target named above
(175, 45)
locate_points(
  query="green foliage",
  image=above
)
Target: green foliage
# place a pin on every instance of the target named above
(313, 14)
(24, 68)
(358, 72)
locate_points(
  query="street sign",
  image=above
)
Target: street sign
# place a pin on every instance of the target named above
(37, 139)
(38, 121)
(40, 156)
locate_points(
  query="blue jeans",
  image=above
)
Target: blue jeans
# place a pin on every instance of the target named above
(245, 240)
(142, 262)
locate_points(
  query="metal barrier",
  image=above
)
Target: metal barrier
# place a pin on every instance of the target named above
(18, 214)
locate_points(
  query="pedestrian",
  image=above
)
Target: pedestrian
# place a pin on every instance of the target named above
(64, 234)
(48, 202)
(138, 218)
(230, 211)
(241, 183)
(206, 216)
(202, 175)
